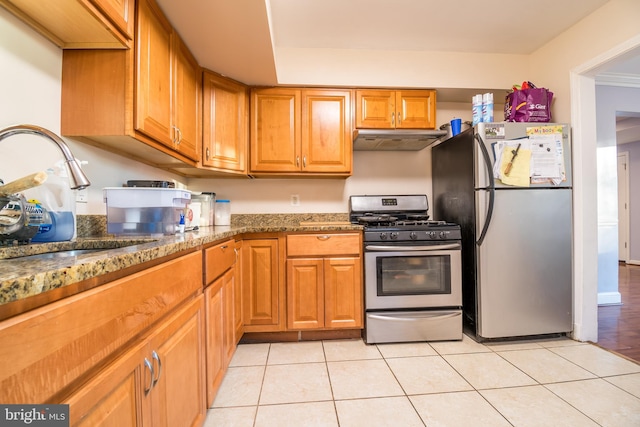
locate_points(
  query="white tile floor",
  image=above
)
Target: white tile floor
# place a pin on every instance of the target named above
(462, 383)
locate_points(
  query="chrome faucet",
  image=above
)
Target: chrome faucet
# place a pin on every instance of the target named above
(77, 179)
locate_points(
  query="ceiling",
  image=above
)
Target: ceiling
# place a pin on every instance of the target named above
(241, 38)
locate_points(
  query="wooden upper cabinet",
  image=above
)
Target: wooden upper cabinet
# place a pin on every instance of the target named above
(153, 74)
(120, 12)
(275, 130)
(301, 131)
(168, 84)
(326, 131)
(78, 24)
(187, 101)
(225, 124)
(144, 103)
(401, 109)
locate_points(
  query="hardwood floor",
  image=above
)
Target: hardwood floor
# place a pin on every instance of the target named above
(619, 325)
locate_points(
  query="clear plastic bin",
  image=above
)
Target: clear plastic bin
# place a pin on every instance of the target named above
(139, 210)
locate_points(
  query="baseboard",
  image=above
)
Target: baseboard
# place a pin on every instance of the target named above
(609, 298)
(633, 261)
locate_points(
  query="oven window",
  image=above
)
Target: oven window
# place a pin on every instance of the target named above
(414, 275)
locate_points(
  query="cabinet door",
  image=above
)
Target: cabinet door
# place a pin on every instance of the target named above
(187, 102)
(415, 109)
(275, 130)
(305, 293)
(115, 397)
(326, 131)
(178, 396)
(225, 124)
(343, 292)
(229, 314)
(153, 74)
(214, 329)
(120, 12)
(237, 296)
(375, 109)
(261, 290)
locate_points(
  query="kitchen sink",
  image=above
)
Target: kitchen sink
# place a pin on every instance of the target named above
(67, 249)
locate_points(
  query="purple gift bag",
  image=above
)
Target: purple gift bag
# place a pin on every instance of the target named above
(528, 105)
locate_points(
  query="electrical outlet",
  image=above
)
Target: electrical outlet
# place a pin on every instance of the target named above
(295, 200)
(82, 196)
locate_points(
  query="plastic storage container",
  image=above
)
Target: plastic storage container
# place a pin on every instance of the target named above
(223, 212)
(52, 205)
(207, 208)
(140, 210)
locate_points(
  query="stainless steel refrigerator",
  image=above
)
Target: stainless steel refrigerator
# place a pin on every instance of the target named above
(516, 237)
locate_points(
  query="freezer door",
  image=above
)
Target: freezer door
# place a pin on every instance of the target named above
(524, 264)
(491, 133)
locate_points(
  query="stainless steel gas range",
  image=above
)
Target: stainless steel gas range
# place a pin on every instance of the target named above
(412, 270)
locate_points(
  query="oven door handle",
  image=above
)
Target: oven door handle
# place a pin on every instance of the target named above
(412, 248)
(410, 319)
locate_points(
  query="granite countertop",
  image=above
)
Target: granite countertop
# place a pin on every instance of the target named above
(24, 277)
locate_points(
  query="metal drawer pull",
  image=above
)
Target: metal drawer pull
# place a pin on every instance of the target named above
(155, 356)
(324, 237)
(149, 366)
(224, 247)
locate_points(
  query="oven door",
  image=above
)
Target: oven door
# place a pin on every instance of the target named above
(398, 276)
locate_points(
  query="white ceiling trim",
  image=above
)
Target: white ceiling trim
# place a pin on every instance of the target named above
(618, 79)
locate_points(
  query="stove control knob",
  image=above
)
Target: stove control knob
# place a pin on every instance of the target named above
(413, 235)
(393, 236)
(432, 234)
(383, 236)
(443, 234)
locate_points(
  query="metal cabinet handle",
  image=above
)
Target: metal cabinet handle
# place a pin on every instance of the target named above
(297, 161)
(175, 134)
(149, 366)
(155, 356)
(323, 237)
(179, 136)
(304, 161)
(207, 152)
(224, 247)
(393, 119)
(399, 119)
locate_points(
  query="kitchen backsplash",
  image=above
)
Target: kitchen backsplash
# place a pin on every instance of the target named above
(96, 225)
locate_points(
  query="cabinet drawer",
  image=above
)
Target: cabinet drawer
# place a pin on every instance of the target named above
(218, 259)
(55, 345)
(323, 244)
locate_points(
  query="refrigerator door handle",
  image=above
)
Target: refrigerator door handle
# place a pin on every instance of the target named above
(491, 188)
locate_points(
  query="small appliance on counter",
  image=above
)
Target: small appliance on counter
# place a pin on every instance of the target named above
(144, 210)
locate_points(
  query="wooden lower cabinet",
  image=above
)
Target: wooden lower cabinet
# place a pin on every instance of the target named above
(263, 295)
(324, 288)
(221, 312)
(158, 382)
(324, 293)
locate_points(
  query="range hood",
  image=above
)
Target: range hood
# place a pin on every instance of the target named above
(395, 139)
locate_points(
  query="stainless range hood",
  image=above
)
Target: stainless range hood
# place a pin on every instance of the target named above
(395, 139)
